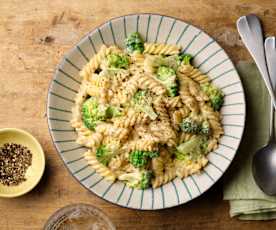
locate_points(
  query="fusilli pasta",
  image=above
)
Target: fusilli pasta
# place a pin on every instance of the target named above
(100, 168)
(166, 49)
(146, 114)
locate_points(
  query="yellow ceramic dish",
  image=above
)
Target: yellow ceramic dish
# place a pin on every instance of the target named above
(34, 172)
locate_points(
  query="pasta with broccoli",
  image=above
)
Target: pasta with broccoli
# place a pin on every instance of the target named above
(146, 114)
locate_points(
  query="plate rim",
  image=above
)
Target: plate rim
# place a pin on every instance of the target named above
(62, 61)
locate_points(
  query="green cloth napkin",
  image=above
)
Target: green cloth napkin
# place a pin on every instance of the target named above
(247, 201)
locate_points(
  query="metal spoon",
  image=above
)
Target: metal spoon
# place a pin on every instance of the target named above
(264, 160)
(250, 30)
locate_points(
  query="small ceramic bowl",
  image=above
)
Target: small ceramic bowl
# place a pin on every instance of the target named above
(34, 172)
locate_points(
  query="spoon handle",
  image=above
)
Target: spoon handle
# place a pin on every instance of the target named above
(250, 30)
(270, 52)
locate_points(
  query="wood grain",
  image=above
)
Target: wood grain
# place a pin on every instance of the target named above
(34, 36)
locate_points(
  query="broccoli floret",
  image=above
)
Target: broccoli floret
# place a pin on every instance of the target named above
(146, 179)
(117, 61)
(192, 149)
(134, 43)
(139, 179)
(152, 154)
(205, 128)
(204, 145)
(165, 72)
(215, 95)
(113, 111)
(173, 91)
(92, 113)
(142, 101)
(140, 159)
(139, 96)
(189, 125)
(168, 78)
(104, 154)
(217, 101)
(185, 59)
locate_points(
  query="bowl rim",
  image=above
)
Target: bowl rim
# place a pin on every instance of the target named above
(41, 152)
(62, 61)
(60, 212)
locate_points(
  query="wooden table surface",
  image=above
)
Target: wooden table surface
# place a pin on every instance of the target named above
(34, 36)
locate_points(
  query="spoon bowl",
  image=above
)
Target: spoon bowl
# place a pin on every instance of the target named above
(264, 168)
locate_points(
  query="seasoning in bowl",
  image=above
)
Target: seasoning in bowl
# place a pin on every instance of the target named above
(15, 159)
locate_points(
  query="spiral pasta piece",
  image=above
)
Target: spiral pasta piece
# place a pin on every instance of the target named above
(99, 81)
(184, 170)
(178, 115)
(141, 144)
(137, 59)
(214, 120)
(112, 131)
(212, 144)
(158, 166)
(125, 92)
(164, 132)
(173, 102)
(193, 73)
(91, 141)
(185, 137)
(100, 168)
(148, 82)
(131, 119)
(95, 62)
(161, 110)
(164, 178)
(166, 49)
(186, 96)
(117, 162)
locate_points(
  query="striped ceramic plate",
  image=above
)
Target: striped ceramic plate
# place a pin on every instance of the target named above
(208, 56)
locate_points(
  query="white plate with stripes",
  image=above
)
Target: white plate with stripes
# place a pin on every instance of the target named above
(209, 57)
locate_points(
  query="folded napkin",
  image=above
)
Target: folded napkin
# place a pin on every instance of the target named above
(247, 201)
